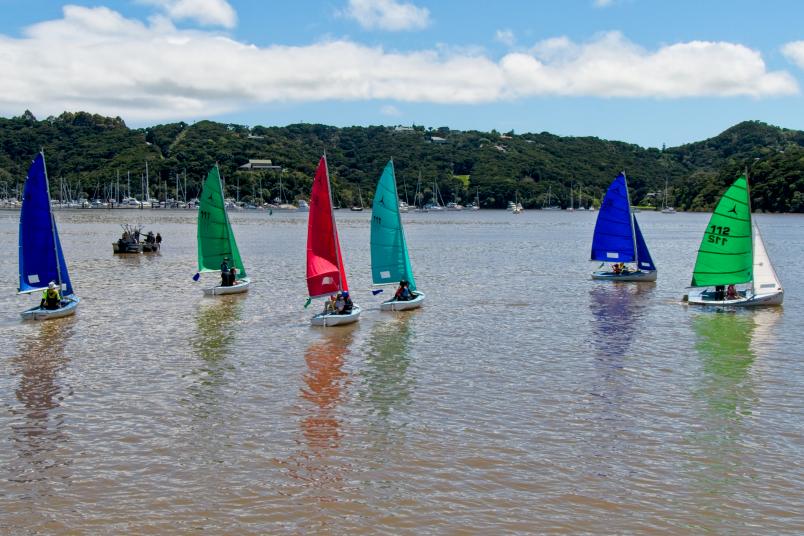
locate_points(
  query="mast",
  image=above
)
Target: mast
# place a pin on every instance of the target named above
(334, 229)
(751, 225)
(631, 220)
(147, 188)
(52, 222)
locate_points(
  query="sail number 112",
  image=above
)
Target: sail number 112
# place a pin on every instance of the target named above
(718, 234)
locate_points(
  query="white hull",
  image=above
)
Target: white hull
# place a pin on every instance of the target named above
(639, 275)
(333, 319)
(393, 305)
(751, 300)
(239, 286)
(38, 313)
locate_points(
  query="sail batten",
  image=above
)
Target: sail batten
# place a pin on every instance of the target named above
(390, 262)
(41, 259)
(326, 273)
(216, 241)
(725, 255)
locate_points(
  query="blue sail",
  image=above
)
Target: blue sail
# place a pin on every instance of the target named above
(40, 257)
(645, 260)
(613, 240)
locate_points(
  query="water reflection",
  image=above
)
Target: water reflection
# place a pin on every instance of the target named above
(386, 383)
(37, 427)
(323, 389)
(617, 309)
(727, 343)
(216, 328)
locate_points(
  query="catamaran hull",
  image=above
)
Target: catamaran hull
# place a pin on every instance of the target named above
(775, 298)
(333, 319)
(394, 305)
(38, 313)
(239, 286)
(631, 276)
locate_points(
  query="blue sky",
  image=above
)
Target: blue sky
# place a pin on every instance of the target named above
(642, 71)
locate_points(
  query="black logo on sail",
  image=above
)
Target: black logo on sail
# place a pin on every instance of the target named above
(734, 209)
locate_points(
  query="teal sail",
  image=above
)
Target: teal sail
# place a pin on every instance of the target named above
(390, 262)
(41, 259)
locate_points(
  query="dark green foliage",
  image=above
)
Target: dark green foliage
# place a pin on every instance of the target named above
(92, 150)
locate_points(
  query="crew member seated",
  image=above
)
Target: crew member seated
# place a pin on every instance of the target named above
(403, 292)
(51, 297)
(720, 292)
(731, 293)
(225, 273)
(347, 305)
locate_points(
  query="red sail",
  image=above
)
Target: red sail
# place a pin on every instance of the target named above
(325, 271)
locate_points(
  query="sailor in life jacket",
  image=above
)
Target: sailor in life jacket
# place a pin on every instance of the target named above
(51, 297)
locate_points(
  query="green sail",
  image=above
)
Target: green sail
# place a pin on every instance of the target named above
(215, 237)
(389, 252)
(726, 255)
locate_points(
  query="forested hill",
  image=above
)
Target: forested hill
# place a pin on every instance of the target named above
(90, 151)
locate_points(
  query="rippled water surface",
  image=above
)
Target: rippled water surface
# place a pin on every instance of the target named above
(523, 397)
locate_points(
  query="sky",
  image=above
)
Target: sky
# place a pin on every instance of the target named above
(650, 72)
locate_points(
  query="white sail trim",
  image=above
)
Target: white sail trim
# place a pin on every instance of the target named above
(765, 278)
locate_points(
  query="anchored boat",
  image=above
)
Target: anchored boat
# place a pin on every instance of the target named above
(390, 262)
(732, 253)
(41, 260)
(618, 239)
(326, 273)
(216, 241)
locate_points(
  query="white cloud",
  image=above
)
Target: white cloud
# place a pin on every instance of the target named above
(506, 37)
(205, 12)
(795, 52)
(388, 15)
(95, 59)
(603, 3)
(390, 110)
(612, 66)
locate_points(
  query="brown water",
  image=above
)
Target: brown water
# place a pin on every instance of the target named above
(523, 398)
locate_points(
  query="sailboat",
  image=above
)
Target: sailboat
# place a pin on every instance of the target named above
(476, 204)
(618, 239)
(355, 207)
(326, 273)
(666, 209)
(216, 240)
(549, 205)
(516, 208)
(571, 207)
(390, 262)
(732, 253)
(41, 259)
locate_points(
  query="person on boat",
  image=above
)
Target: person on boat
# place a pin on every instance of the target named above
(232, 276)
(51, 297)
(158, 241)
(617, 267)
(347, 303)
(329, 305)
(149, 238)
(225, 272)
(403, 292)
(720, 292)
(731, 293)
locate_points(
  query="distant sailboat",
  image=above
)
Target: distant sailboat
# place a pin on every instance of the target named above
(390, 262)
(41, 259)
(732, 253)
(216, 240)
(355, 207)
(326, 273)
(476, 204)
(548, 205)
(619, 240)
(666, 209)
